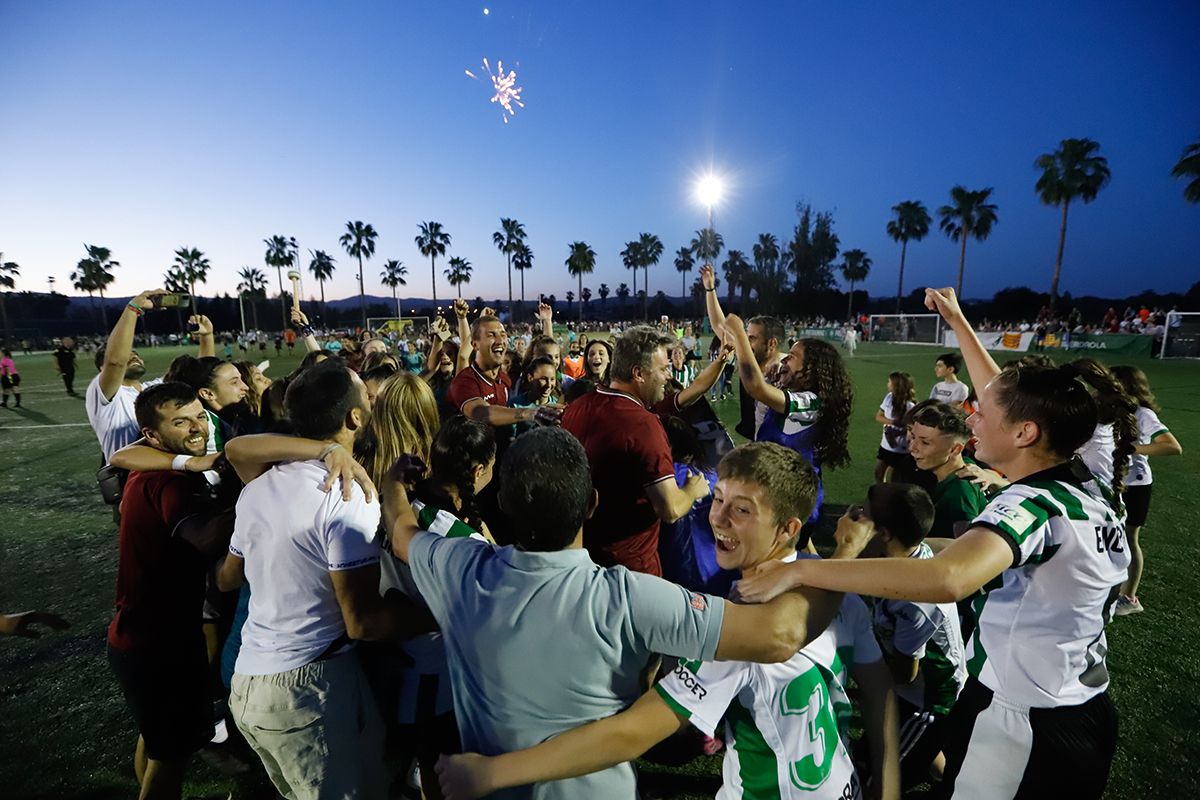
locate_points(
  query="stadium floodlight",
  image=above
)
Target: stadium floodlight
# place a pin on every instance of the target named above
(709, 190)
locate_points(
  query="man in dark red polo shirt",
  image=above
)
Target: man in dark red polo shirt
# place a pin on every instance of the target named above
(629, 455)
(156, 644)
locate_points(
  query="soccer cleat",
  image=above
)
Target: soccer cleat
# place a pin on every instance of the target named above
(1127, 605)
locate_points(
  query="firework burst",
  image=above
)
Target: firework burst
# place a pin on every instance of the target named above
(506, 92)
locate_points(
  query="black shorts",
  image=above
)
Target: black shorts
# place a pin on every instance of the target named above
(10, 381)
(168, 694)
(896, 460)
(1137, 505)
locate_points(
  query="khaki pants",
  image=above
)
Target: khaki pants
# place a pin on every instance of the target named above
(316, 729)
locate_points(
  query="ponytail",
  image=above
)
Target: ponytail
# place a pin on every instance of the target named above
(1114, 407)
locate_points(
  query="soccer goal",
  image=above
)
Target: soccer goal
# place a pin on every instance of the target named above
(906, 328)
(400, 326)
(1181, 339)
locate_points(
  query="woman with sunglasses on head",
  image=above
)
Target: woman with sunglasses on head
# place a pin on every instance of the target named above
(1049, 552)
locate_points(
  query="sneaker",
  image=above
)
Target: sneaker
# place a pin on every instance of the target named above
(1127, 605)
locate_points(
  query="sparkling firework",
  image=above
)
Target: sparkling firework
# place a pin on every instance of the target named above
(506, 92)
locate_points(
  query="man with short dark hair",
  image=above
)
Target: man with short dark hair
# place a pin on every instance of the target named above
(64, 363)
(630, 456)
(498, 608)
(155, 643)
(480, 392)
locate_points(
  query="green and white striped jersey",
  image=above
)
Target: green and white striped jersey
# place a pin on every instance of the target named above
(786, 728)
(929, 632)
(1039, 639)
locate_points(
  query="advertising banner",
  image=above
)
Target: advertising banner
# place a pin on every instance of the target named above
(1008, 341)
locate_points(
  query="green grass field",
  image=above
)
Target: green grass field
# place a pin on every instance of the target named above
(66, 733)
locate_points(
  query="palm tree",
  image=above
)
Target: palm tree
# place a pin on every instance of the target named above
(175, 281)
(359, 242)
(911, 223)
(458, 273)
(683, 264)
(585, 296)
(511, 234)
(855, 267)
(254, 286)
(194, 267)
(707, 245)
(571, 299)
(623, 294)
(321, 266)
(83, 279)
(432, 242)
(1075, 169)
(650, 250)
(735, 268)
(281, 252)
(766, 253)
(1189, 168)
(580, 261)
(8, 274)
(393, 276)
(604, 292)
(522, 260)
(969, 214)
(98, 266)
(631, 257)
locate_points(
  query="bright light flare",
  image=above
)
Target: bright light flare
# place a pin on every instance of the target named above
(709, 190)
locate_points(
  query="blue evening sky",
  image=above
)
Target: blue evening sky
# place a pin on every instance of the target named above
(146, 126)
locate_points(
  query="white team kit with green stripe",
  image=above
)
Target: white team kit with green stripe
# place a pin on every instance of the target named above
(1149, 428)
(786, 729)
(1039, 639)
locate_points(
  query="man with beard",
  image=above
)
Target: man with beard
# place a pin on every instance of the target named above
(155, 644)
(110, 396)
(299, 694)
(630, 456)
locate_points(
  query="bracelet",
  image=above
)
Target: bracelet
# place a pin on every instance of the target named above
(179, 463)
(329, 448)
(711, 290)
(307, 330)
(135, 309)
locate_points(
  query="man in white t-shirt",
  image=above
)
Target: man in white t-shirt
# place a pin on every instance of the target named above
(110, 395)
(786, 723)
(299, 694)
(949, 389)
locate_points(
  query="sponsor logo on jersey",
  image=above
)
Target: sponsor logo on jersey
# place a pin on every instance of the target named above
(698, 602)
(690, 682)
(1016, 517)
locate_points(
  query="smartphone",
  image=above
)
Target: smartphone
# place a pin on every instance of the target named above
(171, 300)
(444, 334)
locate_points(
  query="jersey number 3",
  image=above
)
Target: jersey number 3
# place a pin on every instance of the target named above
(807, 695)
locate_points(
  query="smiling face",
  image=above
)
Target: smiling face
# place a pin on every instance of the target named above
(760, 345)
(491, 343)
(227, 388)
(134, 367)
(791, 366)
(996, 439)
(744, 525)
(182, 430)
(541, 382)
(930, 447)
(597, 359)
(652, 380)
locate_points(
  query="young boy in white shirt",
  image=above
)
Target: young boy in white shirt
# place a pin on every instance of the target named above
(949, 389)
(786, 722)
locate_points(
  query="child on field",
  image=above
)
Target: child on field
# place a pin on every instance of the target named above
(949, 389)
(893, 461)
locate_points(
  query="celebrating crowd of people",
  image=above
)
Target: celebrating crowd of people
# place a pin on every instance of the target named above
(481, 565)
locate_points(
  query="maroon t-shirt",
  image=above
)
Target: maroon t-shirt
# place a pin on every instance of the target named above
(160, 578)
(628, 451)
(471, 383)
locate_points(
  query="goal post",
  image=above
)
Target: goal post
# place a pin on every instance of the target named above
(906, 328)
(1181, 335)
(400, 326)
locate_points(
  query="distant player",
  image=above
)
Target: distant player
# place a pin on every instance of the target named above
(949, 389)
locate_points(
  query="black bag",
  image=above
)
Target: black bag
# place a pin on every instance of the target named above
(111, 481)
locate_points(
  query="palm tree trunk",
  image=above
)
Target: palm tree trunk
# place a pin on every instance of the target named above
(254, 310)
(509, 258)
(433, 279)
(458, 286)
(282, 300)
(103, 311)
(962, 262)
(581, 297)
(396, 300)
(8, 340)
(522, 290)
(900, 285)
(850, 301)
(683, 285)
(1062, 239)
(324, 311)
(362, 294)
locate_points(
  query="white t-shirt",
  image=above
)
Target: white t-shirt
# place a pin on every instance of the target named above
(1039, 639)
(1149, 426)
(113, 421)
(954, 394)
(790, 718)
(1097, 453)
(888, 407)
(292, 534)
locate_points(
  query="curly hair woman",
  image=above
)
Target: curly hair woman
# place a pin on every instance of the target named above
(809, 408)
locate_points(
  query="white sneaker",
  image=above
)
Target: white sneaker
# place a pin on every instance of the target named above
(1127, 606)
(220, 732)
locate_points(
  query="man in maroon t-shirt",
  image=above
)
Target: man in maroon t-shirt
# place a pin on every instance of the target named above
(629, 455)
(156, 644)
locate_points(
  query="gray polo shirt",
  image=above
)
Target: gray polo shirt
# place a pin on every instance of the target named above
(539, 643)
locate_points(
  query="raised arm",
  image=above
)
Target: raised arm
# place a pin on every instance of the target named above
(300, 319)
(716, 317)
(252, 455)
(980, 365)
(589, 748)
(546, 315)
(749, 371)
(706, 378)
(119, 346)
(204, 335)
(464, 336)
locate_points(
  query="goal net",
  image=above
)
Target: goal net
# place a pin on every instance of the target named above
(399, 327)
(1181, 339)
(907, 328)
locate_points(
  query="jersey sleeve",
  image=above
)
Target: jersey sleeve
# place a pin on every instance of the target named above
(913, 628)
(462, 389)
(652, 451)
(666, 618)
(350, 534)
(803, 407)
(701, 691)
(886, 405)
(1149, 425)
(1021, 517)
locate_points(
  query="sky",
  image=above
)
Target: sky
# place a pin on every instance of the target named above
(149, 126)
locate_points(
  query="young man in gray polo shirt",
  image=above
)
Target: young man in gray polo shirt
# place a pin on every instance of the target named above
(540, 640)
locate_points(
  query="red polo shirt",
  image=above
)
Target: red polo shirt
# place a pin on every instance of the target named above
(628, 451)
(471, 383)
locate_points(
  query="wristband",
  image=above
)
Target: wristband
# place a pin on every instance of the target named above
(329, 448)
(711, 290)
(307, 330)
(135, 309)
(180, 463)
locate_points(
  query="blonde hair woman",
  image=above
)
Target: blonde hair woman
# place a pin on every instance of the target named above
(404, 420)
